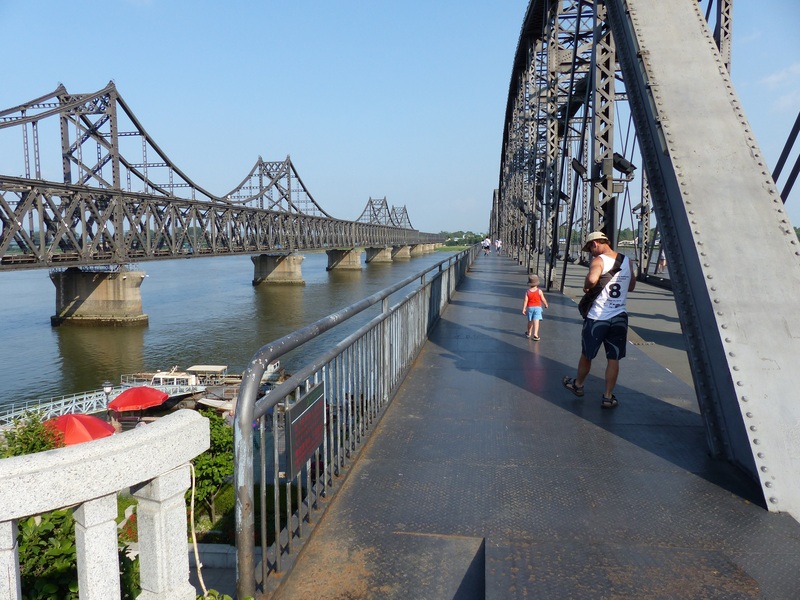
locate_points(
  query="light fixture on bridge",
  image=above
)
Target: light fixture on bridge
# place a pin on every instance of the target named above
(623, 165)
(578, 167)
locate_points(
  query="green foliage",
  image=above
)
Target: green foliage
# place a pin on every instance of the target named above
(226, 499)
(47, 556)
(28, 435)
(625, 235)
(215, 595)
(214, 467)
(128, 574)
(461, 238)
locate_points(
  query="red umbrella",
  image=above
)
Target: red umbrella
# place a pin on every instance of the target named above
(138, 398)
(80, 428)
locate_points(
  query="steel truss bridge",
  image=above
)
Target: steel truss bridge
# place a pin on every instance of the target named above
(119, 199)
(624, 109)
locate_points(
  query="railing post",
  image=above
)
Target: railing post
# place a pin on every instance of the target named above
(96, 547)
(163, 555)
(10, 586)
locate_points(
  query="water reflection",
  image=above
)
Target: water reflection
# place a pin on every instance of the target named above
(201, 311)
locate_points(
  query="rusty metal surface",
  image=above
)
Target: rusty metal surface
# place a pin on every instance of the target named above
(483, 444)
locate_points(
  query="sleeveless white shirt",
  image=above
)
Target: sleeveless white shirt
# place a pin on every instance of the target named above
(612, 299)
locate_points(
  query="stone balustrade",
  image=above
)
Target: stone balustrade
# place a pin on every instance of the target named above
(152, 461)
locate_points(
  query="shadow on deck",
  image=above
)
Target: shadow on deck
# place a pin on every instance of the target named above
(487, 479)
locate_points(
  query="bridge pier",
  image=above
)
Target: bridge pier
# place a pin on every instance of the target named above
(278, 268)
(417, 250)
(379, 255)
(98, 297)
(346, 260)
(401, 252)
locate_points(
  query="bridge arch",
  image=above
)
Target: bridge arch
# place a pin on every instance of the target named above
(567, 168)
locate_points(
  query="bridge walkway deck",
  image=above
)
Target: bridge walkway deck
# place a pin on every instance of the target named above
(486, 478)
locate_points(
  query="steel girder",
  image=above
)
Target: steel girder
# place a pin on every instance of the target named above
(604, 62)
(46, 225)
(711, 191)
(275, 186)
(377, 212)
(110, 209)
(547, 102)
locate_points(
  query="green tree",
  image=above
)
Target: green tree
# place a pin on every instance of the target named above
(214, 467)
(28, 435)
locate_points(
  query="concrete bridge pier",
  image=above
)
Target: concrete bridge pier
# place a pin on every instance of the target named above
(401, 252)
(98, 297)
(417, 250)
(379, 255)
(345, 260)
(278, 268)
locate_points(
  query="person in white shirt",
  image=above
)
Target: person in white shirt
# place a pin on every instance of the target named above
(606, 323)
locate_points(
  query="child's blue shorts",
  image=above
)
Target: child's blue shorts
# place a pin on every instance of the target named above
(534, 313)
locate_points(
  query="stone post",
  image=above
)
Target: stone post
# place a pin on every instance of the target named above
(379, 255)
(96, 545)
(98, 297)
(278, 268)
(161, 516)
(10, 586)
(349, 259)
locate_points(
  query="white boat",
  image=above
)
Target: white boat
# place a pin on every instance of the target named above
(196, 375)
(209, 385)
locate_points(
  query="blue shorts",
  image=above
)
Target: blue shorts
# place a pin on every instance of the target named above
(612, 334)
(534, 313)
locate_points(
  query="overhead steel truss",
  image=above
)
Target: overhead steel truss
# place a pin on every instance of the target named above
(377, 212)
(59, 225)
(562, 171)
(597, 85)
(121, 198)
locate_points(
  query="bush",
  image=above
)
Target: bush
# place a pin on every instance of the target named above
(28, 434)
(214, 467)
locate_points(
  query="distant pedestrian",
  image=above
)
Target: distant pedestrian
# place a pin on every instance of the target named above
(532, 307)
(661, 266)
(487, 246)
(498, 245)
(606, 322)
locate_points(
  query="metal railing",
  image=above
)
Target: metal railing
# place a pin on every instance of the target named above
(360, 376)
(93, 401)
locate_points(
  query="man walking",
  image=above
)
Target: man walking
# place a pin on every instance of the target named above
(610, 277)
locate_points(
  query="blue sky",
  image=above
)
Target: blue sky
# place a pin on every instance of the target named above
(370, 98)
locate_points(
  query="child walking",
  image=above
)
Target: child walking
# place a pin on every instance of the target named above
(532, 307)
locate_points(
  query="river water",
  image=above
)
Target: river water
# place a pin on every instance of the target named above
(201, 311)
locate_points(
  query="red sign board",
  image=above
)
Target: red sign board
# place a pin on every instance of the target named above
(305, 428)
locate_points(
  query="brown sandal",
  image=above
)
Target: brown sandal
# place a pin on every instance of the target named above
(609, 402)
(569, 383)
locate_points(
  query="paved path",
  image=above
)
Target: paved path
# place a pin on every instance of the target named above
(487, 479)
